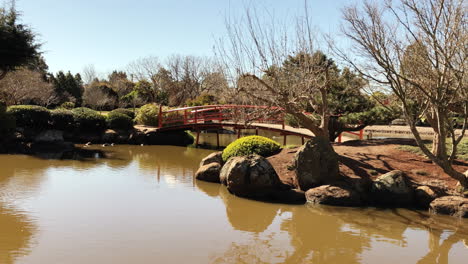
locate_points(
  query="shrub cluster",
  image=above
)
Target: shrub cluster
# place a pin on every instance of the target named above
(88, 120)
(125, 111)
(30, 116)
(251, 145)
(118, 120)
(7, 121)
(62, 119)
(148, 115)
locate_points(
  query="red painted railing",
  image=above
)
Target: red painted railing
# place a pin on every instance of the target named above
(212, 114)
(218, 114)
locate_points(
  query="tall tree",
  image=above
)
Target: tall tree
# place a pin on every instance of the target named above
(18, 46)
(419, 50)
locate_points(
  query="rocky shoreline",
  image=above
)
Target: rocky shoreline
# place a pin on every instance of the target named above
(58, 143)
(254, 177)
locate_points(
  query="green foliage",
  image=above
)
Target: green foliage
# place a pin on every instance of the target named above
(17, 42)
(377, 115)
(125, 111)
(251, 145)
(30, 116)
(7, 121)
(68, 105)
(66, 85)
(204, 99)
(62, 119)
(118, 120)
(148, 115)
(88, 120)
(291, 120)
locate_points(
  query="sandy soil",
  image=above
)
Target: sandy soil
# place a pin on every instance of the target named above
(370, 159)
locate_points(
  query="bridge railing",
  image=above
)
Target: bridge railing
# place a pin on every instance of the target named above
(208, 114)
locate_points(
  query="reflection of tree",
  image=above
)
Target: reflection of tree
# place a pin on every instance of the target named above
(16, 232)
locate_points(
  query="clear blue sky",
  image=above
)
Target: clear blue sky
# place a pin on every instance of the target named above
(111, 33)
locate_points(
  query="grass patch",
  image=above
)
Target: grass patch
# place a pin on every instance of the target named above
(462, 150)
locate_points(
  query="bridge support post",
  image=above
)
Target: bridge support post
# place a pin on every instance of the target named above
(284, 139)
(302, 139)
(217, 138)
(256, 131)
(238, 133)
(197, 139)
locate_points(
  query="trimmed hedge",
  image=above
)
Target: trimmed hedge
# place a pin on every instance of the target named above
(251, 145)
(148, 115)
(62, 119)
(30, 116)
(7, 121)
(125, 111)
(88, 120)
(118, 120)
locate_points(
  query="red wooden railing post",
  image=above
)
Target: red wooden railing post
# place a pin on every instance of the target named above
(339, 138)
(185, 116)
(361, 134)
(160, 117)
(195, 111)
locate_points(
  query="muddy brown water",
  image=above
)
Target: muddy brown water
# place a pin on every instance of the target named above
(142, 205)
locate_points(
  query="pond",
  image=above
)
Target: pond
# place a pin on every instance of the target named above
(142, 205)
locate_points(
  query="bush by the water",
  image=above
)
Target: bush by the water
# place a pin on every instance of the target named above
(68, 105)
(148, 115)
(118, 120)
(88, 120)
(251, 145)
(30, 116)
(125, 111)
(7, 121)
(61, 119)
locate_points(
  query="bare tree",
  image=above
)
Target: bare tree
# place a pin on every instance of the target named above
(89, 74)
(97, 98)
(255, 54)
(25, 86)
(419, 50)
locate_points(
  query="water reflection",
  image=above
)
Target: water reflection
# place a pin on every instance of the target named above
(143, 203)
(16, 233)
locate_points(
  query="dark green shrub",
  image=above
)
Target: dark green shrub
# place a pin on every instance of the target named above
(251, 145)
(30, 116)
(7, 121)
(88, 120)
(125, 111)
(148, 115)
(68, 105)
(62, 119)
(117, 120)
(291, 120)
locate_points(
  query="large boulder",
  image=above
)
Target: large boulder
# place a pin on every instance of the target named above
(424, 195)
(451, 205)
(316, 164)
(333, 195)
(213, 157)
(49, 136)
(462, 190)
(209, 172)
(253, 177)
(392, 189)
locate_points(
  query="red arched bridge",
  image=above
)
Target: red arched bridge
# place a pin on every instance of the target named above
(239, 117)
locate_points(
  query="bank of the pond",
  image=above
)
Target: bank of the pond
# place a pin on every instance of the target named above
(34, 141)
(371, 173)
